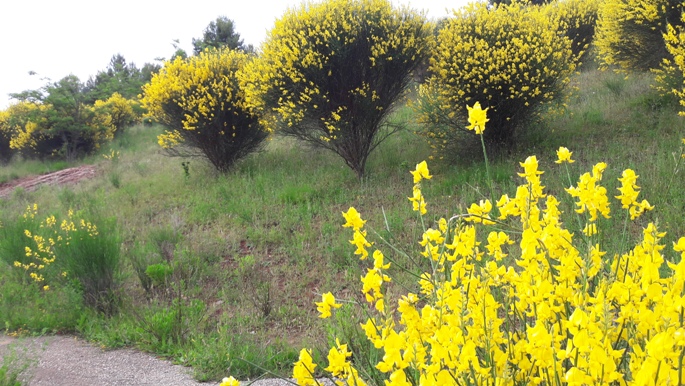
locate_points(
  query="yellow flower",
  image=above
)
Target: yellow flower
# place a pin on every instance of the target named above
(421, 172)
(230, 381)
(303, 371)
(327, 302)
(353, 219)
(337, 359)
(564, 155)
(477, 118)
(590, 229)
(680, 245)
(359, 240)
(418, 202)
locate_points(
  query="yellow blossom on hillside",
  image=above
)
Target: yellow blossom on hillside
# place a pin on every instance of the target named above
(327, 302)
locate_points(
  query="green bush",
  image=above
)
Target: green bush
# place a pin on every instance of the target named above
(91, 258)
(510, 58)
(331, 72)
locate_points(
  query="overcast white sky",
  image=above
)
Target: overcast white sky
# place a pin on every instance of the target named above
(55, 38)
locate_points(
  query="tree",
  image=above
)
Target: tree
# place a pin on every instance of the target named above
(330, 73)
(201, 103)
(119, 77)
(218, 34)
(60, 124)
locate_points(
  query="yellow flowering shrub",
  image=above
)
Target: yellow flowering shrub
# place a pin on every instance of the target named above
(330, 72)
(40, 130)
(19, 122)
(511, 58)
(630, 32)
(670, 77)
(576, 19)
(121, 111)
(512, 297)
(201, 103)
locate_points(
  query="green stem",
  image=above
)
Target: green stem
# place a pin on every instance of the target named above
(487, 170)
(675, 171)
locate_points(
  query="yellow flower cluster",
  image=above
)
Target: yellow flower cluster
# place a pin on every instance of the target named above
(670, 77)
(559, 313)
(510, 58)
(21, 121)
(119, 109)
(322, 63)
(576, 19)
(630, 32)
(200, 101)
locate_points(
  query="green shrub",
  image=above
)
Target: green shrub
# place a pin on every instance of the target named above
(29, 307)
(331, 72)
(50, 252)
(202, 105)
(159, 274)
(91, 257)
(511, 58)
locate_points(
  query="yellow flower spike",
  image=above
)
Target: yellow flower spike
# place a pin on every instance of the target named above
(359, 240)
(337, 359)
(378, 262)
(327, 302)
(418, 202)
(353, 219)
(477, 118)
(564, 155)
(303, 371)
(421, 172)
(590, 229)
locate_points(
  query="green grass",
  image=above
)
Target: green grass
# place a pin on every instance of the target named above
(258, 246)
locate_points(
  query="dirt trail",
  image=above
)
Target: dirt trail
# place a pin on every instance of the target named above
(61, 177)
(67, 361)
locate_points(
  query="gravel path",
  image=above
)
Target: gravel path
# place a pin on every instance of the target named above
(68, 361)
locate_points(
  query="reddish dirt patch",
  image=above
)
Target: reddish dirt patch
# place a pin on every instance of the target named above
(62, 177)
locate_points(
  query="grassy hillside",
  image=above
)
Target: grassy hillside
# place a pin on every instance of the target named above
(252, 250)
